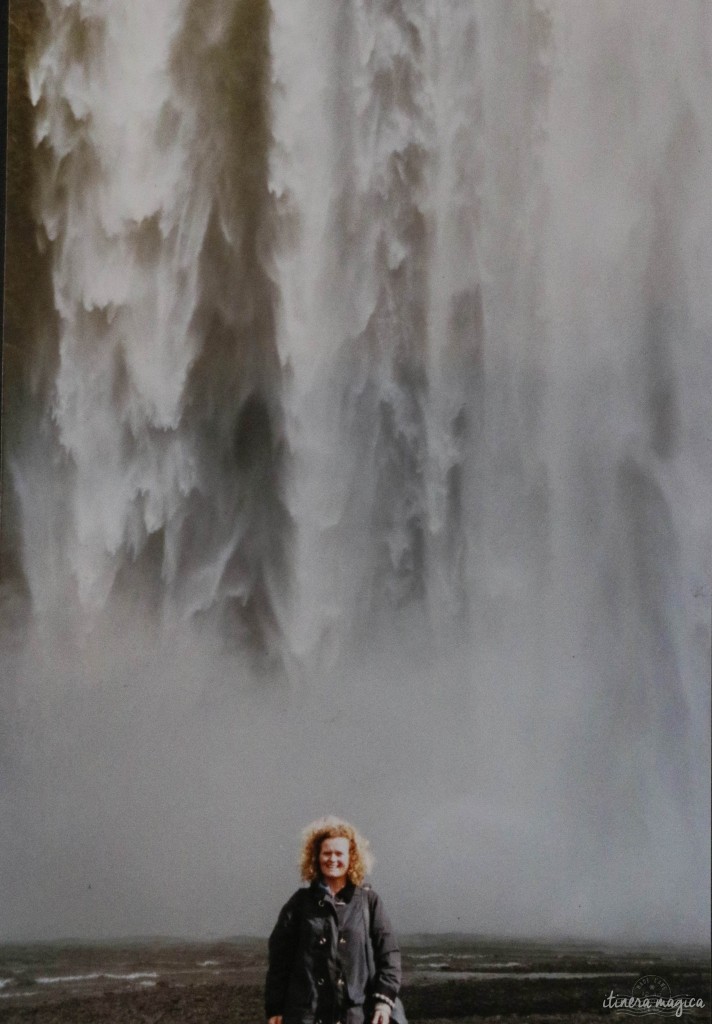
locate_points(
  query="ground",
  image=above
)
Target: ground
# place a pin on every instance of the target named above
(447, 980)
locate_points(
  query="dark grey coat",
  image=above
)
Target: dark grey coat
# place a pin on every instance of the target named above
(318, 967)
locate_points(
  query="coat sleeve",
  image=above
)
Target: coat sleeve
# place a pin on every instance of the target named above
(282, 947)
(386, 951)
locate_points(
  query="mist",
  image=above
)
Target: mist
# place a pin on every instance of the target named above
(364, 467)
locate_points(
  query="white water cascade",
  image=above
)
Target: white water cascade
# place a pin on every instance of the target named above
(374, 473)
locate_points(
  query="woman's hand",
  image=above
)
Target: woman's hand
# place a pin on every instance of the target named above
(274, 1020)
(381, 1014)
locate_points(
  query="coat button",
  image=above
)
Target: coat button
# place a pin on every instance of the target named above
(322, 941)
(320, 981)
(340, 981)
(322, 902)
(342, 941)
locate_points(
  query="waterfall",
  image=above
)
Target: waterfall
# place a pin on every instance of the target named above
(166, 394)
(379, 312)
(374, 460)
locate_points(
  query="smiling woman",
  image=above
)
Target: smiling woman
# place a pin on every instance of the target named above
(333, 957)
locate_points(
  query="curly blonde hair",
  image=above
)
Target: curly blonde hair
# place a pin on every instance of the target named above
(360, 856)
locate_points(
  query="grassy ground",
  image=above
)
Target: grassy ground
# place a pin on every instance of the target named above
(188, 991)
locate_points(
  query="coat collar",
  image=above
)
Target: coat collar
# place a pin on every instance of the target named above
(322, 890)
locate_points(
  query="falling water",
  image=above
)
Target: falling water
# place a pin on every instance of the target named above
(373, 474)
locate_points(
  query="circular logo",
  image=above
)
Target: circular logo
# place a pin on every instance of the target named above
(651, 986)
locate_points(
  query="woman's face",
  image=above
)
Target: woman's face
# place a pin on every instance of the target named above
(334, 858)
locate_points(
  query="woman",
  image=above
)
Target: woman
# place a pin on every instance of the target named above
(321, 969)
